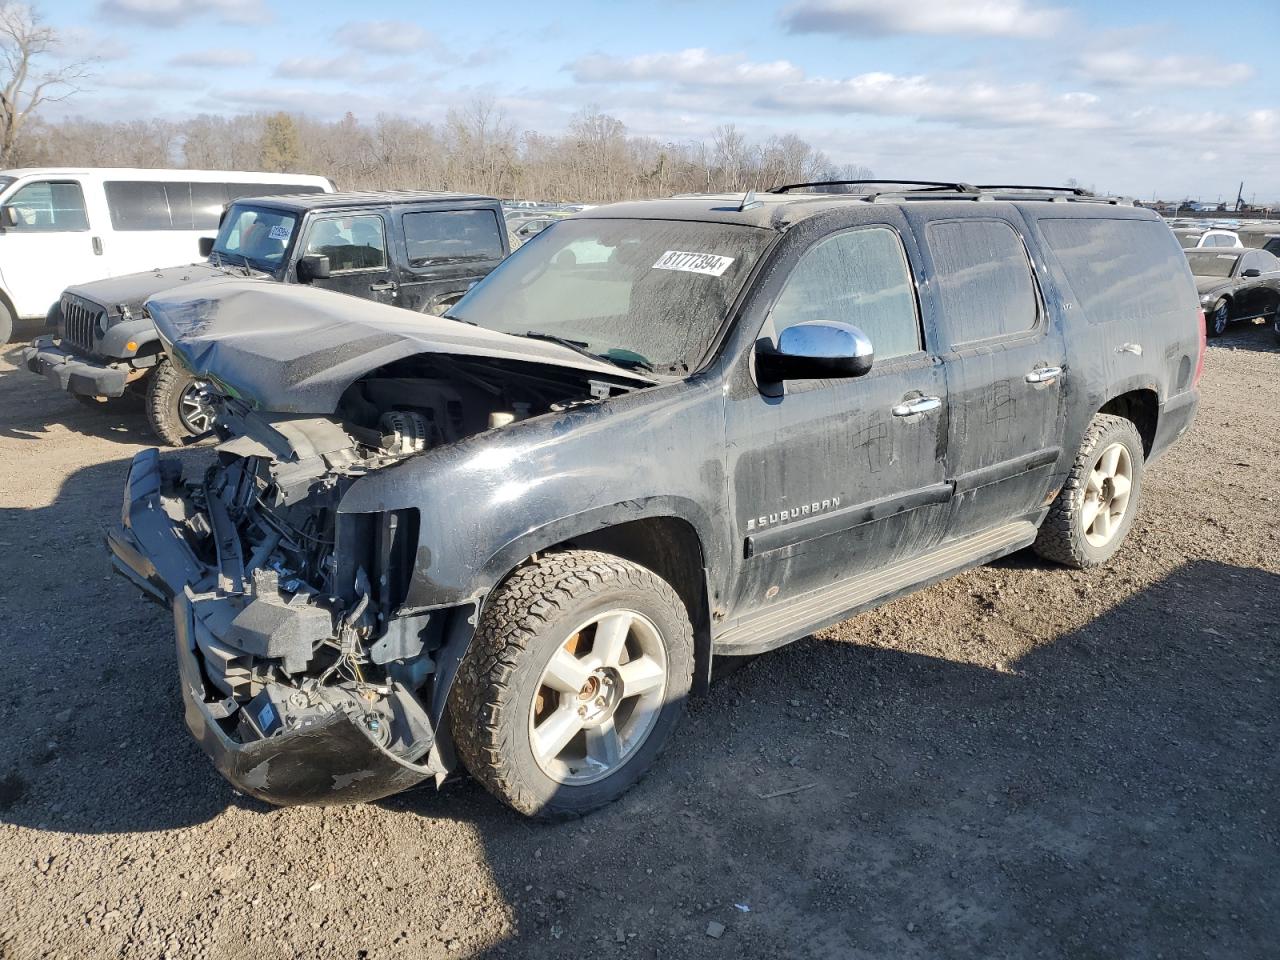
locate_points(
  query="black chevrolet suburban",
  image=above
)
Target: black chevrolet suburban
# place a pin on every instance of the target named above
(514, 538)
(416, 250)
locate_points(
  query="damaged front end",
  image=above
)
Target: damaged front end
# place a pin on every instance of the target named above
(301, 676)
(310, 673)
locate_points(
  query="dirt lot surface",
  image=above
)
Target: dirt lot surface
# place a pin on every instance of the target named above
(1024, 761)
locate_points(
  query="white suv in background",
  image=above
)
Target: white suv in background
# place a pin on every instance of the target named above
(64, 225)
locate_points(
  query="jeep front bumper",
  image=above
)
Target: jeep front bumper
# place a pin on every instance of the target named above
(327, 762)
(74, 373)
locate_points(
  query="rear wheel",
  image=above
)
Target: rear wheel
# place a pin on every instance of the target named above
(1218, 320)
(577, 675)
(1095, 508)
(177, 407)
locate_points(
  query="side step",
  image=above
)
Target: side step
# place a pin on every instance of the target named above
(802, 615)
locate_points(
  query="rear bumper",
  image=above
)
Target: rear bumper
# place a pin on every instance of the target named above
(1176, 415)
(329, 762)
(74, 373)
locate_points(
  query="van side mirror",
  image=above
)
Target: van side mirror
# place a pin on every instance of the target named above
(206, 246)
(8, 216)
(818, 350)
(1252, 272)
(314, 266)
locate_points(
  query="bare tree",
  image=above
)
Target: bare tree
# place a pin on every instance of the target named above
(25, 41)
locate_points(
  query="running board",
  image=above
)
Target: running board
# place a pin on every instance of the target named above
(802, 615)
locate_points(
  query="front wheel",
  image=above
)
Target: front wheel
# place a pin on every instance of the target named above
(1218, 320)
(577, 675)
(178, 408)
(6, 325)
(1094, 510)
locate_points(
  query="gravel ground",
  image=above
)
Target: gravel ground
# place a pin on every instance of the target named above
(1023, 761)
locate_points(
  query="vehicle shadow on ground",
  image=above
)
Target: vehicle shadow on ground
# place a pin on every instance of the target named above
(32, 405)
(1114, 787)
(1254, 335)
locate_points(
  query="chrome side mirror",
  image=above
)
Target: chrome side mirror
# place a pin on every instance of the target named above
(818, 350)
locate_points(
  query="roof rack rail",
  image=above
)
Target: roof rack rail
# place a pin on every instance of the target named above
(926, 184)
(1021, 188)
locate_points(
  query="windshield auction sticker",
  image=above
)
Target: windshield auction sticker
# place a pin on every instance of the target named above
(280, 232)
(707, 263)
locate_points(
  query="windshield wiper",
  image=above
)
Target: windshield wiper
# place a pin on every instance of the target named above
(628, 362)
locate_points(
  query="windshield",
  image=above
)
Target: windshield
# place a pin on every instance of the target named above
(652, 292)
(1212, 264)
(256, 235)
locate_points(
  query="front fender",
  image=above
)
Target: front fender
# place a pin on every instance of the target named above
(487, 502)
(141, 331)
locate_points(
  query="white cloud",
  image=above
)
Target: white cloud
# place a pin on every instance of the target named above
(174, 13)
(694, 67)
(1124, 68)
(861, 18)
(384, 36)
(965, 103)
(319, 68)
(141, 80)
(213, 57)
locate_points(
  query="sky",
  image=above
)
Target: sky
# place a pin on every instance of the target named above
(1145, 98)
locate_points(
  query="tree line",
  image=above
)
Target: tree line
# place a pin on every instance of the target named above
(476, 148)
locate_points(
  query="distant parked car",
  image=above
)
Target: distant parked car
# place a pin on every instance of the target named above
(1235, 285)
(1192, 238)
(420, 251)
(65, 225)
(524, 230)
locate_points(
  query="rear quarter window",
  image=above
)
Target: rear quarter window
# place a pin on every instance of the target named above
(441, 236)
(1122, 269)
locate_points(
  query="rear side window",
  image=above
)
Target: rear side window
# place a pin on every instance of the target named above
(984, 282)
(179, 204)
(442, 236)
(860, 277)
(50, 206)
(1122, 269)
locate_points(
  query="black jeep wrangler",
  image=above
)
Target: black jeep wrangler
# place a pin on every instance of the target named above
(420, 251)
(515, 538)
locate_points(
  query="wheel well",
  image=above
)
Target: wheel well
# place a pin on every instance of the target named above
(1140, 406)
(670, 548)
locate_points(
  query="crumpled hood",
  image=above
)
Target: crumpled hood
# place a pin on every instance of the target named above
(132, 289)
(295, 349)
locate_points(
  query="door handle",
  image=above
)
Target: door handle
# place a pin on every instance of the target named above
(1044, 375)
(379, 287)
(909, 408)
(97, 246)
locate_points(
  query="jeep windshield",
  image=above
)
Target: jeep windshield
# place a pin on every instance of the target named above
(254, 236)
(634, 292)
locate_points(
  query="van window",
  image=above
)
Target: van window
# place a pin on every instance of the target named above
(181, 204)
(451, 235)
(350, 243)
(49, 206)
(984, 283)
(859, 277)
(1122, 269)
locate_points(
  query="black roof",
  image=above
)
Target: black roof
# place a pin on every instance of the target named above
(304, 202)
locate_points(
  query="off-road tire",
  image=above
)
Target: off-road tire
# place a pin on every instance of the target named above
(164, 392)
(1061, 537)
(6, 325)
(522, 624)
(1211, 320)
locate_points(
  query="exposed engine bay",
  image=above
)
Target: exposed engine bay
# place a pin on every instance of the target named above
(298, 622)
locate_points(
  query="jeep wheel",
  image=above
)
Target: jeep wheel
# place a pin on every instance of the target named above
(1218, 320)
(1095, 508)
(176, 406)
(577, 675)
(6, 325)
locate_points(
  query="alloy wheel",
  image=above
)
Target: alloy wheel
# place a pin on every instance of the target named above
(1106, 496)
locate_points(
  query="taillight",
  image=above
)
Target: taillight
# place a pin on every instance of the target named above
(1195, 381)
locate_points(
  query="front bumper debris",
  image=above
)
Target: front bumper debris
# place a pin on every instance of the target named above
(74, 373)
(330, 757)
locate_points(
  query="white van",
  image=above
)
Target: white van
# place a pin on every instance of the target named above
(65, 225)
